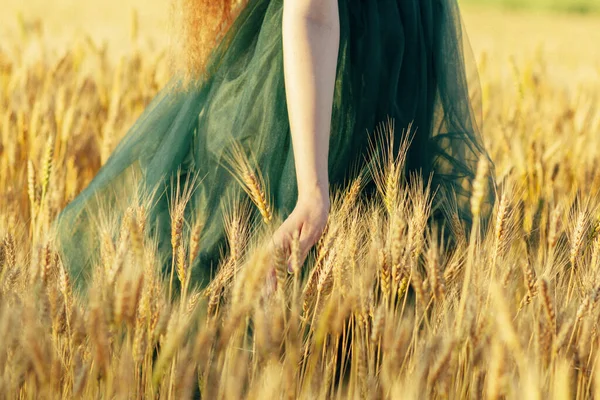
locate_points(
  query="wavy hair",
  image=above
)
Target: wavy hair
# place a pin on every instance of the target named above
(200, 25)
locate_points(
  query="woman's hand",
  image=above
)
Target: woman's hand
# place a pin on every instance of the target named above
(308, 218)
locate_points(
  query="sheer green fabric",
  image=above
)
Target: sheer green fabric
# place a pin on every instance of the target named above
(403, 59)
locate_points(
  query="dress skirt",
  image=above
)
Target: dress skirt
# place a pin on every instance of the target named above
(404, 60)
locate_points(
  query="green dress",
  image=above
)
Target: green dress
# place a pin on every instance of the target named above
(404, 59)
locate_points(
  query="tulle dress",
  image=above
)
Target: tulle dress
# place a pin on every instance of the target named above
(407, 60)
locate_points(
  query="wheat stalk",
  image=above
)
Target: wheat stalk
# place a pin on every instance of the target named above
(250, 179)
(576, 246)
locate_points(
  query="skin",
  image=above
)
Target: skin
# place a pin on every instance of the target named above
(311, 36)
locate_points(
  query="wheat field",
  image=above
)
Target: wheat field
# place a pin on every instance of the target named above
(386, 310)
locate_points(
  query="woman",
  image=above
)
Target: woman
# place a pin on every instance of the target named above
(298, 84)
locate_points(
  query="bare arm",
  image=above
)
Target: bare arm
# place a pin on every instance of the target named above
(311, 36)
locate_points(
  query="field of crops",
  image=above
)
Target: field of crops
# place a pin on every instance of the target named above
(571, 6)
(386, 312)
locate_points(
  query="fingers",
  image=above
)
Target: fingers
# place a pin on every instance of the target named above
(271, 286)
(282, 238)
(283, 241)
(308, 238)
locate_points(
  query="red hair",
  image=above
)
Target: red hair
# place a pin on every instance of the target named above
(201, 24)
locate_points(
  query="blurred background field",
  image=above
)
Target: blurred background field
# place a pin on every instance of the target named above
(566, 31)
(572, 6)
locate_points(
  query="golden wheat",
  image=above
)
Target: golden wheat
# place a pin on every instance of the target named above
(387, 308)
